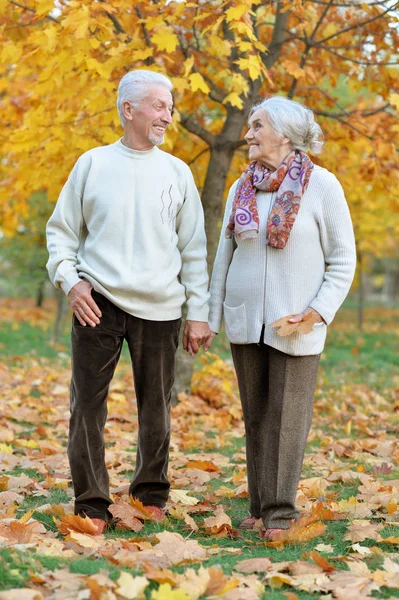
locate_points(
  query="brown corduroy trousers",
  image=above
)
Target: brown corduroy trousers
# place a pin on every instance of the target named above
(277, 393)
(95, 354)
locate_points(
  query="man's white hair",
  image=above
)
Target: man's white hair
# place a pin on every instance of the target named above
(134, 85)
(293, 121)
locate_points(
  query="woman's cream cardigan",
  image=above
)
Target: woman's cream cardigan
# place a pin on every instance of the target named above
(253, 284)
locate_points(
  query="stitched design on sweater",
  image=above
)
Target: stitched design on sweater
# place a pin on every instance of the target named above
(163, 206)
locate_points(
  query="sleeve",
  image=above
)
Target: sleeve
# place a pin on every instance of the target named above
(338, 243)
(192, 246)
(221, 266)
(63, 234)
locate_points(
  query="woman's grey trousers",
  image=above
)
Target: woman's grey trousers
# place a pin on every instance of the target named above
(277, 393)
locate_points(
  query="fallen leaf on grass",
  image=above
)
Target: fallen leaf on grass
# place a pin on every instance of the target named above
(21, 533)
(254, 565)
(322, 562)
(178, 550)
(194, 583)
(131, 588)
(182, 497)
(286, 328)
(362, 550)
(220, 525)
(126, 516)
(161, 575)
(77, 523)
(304, 530)
(219, 583)
(363, 530)
(21, 594)
(85, 541)
(165, 592)
(324, 548)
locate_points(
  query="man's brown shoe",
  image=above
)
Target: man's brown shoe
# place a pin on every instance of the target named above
(101, 526)
(157, 513)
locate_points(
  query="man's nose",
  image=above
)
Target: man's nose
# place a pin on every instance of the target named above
(167, 116)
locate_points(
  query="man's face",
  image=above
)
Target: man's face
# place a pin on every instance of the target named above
(152, 117)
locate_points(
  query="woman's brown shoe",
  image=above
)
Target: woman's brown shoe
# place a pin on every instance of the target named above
(248, 523)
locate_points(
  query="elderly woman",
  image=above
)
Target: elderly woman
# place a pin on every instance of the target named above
(286, 249)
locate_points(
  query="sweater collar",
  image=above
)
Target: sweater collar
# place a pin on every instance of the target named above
(134, 154)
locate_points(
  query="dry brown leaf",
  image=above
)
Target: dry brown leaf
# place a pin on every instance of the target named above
(161, 575)
(219, 524)
(322, 562)
(254, 565)
(219, 583)
(77, 523)
(304, 530)
(126, 516)
(140, 510)
(286, 328)
(363, 530)
(194, 583)
(203, 465)
(21, 533)
(178, 550)
(21, 594)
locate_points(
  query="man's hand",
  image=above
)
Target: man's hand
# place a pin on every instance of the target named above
(195, 334)
(83, 305)
(298, 318)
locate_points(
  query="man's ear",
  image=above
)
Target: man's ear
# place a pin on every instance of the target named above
(127, 110)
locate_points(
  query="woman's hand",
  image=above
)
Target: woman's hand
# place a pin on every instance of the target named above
(317, 316)
(209, 341)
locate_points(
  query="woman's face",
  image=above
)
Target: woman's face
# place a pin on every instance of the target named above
(264, 144)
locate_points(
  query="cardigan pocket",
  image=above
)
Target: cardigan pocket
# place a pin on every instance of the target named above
(235, 321)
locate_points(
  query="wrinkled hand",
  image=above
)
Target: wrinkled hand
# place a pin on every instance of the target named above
(299, 317)
(83, 304)
(209, 341)
(195, 334)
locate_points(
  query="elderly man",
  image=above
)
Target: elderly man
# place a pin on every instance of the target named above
(127, 245)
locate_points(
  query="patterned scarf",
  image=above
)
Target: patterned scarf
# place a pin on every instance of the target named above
(290, 181)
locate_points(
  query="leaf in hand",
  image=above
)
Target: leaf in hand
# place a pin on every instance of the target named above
(286, 328)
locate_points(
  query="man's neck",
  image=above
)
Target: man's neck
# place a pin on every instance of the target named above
(130, 142)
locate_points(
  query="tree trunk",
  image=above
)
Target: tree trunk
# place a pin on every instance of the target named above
(40, 294)
(62, 309)
(360, 308)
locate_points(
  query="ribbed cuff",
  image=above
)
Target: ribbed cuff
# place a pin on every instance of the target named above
(198, 313)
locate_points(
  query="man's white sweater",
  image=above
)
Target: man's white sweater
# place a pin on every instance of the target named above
(131, 223)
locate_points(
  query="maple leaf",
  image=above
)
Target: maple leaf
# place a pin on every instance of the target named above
(182, 497)
(21, 594)
(21, 533)
(140, 511)
(197, 82)
(161, 575)
(219, 583)
(254, 565)
(363, 530)
(77, 523)
(165, 592)
(304, 530)
(126, 515)
(285, 328)
(130, 587)
(322, 562)
(179, 550)
(220, 524)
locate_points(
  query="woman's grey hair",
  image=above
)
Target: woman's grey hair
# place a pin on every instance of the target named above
(134, 85)
(293, 121)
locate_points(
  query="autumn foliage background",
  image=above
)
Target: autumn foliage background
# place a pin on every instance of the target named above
(61, 63)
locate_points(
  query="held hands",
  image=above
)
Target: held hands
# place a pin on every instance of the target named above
(196, 334)
(83, 304)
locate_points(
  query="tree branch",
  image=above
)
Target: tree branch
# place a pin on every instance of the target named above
(32, 10)
(197, 129)
(357, 25)
(355, 60)
(277, 40)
